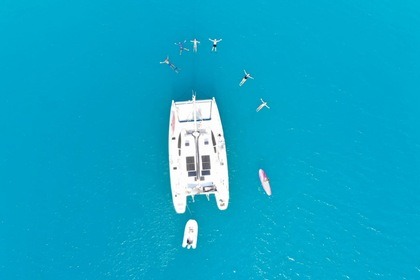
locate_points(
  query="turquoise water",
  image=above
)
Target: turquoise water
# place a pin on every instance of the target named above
(84, 120)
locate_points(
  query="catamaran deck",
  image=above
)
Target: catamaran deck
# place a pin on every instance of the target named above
(197, 153)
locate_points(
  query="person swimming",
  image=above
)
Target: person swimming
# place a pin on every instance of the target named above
(195, 44)
(173, 67)
(264, 104)
(245, 78)
(215, 41)
(181, 47)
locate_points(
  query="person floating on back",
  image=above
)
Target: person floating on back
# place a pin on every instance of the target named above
(264, 104)
(195, 44)
(166, 61)
(181, 47)
(215, 41)
(245, 78)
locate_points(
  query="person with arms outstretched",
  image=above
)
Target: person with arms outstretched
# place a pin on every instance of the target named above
(181, 47)
(215, 41)
(264, 104)
(173, 67)
(245, 78)
(195, 44)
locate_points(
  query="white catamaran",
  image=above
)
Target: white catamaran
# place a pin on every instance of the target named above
(197, 153)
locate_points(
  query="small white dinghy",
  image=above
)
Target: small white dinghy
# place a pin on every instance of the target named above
(265, 182)
(190, 234)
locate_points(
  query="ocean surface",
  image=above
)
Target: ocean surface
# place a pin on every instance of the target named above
(84, 118)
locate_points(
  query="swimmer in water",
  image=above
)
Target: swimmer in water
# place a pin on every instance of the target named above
(195, 44)
(215, 41)
(264, 104)
(181, 47)
(173, 67)
(245, 78)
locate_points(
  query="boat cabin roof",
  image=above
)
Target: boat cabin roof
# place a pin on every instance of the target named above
(186, 110)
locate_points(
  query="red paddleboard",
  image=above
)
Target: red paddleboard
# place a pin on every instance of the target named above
(265, 182)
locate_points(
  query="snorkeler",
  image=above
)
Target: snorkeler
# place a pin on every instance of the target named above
(166, 61)
(195, 44)
(215, 41)
(264, 104)
(245, 78)
(181, 47)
